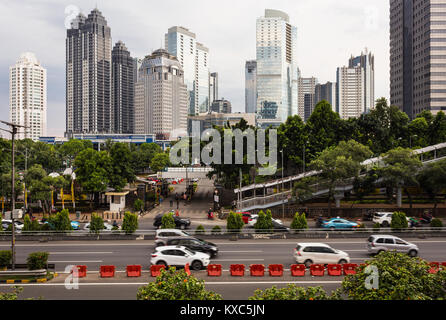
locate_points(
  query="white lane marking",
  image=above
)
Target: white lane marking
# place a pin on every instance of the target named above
(85, 252)
(252, 251)
(77, 261)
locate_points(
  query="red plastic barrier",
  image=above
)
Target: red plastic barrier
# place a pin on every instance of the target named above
(237, 270)
(257, 270)
(187, 269)
(275, 270)
(214, 270)
(435, 266)
(443, 265)
(134, 271)
(81, 271)
(174, 182)
(350, 268)
(155, 270)
(334, 269)
(107, 271)
(298, 270)
(317, 270)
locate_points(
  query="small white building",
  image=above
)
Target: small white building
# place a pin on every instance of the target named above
(117, 201)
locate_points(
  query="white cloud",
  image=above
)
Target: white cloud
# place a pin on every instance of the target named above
(329, 31)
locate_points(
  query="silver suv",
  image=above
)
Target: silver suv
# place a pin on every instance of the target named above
(163, 235)
(379, 243)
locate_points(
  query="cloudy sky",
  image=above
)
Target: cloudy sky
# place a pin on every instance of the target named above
(329, 31)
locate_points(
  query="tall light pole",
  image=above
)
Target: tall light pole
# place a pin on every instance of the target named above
(410, 140)
(13, 132)
(283, 201)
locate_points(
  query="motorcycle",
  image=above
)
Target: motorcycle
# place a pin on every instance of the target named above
(426, 218)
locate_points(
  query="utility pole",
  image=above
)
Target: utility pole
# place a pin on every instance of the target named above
(13, 132)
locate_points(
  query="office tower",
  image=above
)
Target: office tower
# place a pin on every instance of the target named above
(350, 92)
(366, 61)
(136, 65)
(277, 74)
(194, 59)
(27, 97)
(326, 92)
(221, 106)
(251, 86)
(418, 55)
(306, 96)
(213, 87)
(88, 75)
(161, 97)
(123, 66)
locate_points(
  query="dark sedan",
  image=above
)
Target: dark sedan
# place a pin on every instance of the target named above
(195, 244)
(180, 223)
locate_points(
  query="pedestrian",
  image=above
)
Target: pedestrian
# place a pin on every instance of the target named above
(177, 213)
(178, 204)
(171, 203)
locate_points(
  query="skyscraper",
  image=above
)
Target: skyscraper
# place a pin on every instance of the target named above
(326, 92)
(367, 62)
(306, 96)
(194, 59)
(277, 74)
(213, 87)
(123, 89)
(161, 97)
(350, 92)
(88, 75)
(251, 86)
(27, 97)
(221, 106)
(418, 55)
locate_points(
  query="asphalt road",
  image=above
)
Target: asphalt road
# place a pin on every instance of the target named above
(121, 254)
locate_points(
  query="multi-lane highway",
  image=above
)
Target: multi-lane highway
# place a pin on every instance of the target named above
(121, 254)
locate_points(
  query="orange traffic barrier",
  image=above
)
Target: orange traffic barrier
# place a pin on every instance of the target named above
(214, 270)
(257, 270)
(107, 271)
(155, 270)
(81, 271)
(275, 270)
(443, 265)
(187, 269)
(349, 268)
(435, 266)
(334, 269)
(134, 271)
(298, 270)
(237, 270)
(317, 270)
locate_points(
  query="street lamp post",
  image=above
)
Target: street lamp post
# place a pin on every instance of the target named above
(410, 140)
(283, 191)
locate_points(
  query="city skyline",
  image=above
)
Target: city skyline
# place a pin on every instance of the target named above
(367, 26)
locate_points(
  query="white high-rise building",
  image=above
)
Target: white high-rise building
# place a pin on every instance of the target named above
(366, 61)
(251, 86)
(350, 92)
(28, 97)
(194, 59)
(327, 92)
(277, 71)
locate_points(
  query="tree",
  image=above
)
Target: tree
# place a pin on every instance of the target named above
(121, 171)
(143, 155)
(303, 189)
(399, 276)
(364, 185)
(299, 222)
(437, 130)
(292, 138)
(159, 162)
(130, 223)
(419, 133)
(234, 222)
(291, 293)
(172, 285)
(264, 222)
(401, 167)
(72, 148)
(61, 221)
(168, 221)
(337, 164)
(432, 179)
(92, 171)
(399, 221)
(96, 223)
(138, 205)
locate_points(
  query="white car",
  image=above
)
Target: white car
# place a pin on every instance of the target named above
(253, 220)
(384, 218)
(18, 225)
(162, 235)
(319, 253)
(107, 226)
(179, 256)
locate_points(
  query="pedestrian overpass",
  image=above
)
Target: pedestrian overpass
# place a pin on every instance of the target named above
(184, 173)
(284, 186)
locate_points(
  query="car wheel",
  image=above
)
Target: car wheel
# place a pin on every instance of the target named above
(182, 227)
(413, 253)
(308, 263)
(196, 265)
(385, 224)
(162, 263)
(342, 261)
(332, 229)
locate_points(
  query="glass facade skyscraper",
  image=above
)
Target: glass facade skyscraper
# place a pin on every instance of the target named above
(277, 71)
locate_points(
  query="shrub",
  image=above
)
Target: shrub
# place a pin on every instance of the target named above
(27, 223)
(216, 230)
(399, 221)
(11, 296)
(138, 205)
(436, 223)
(130, 223)
(96, 223)
(168, 221)
(264, 222)
(376, 226)
(235, 222)
(292, 292)
(37, 260)
(60, 221)
(299, 222)
(5, 258)
(173, 285)
(200, 230)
